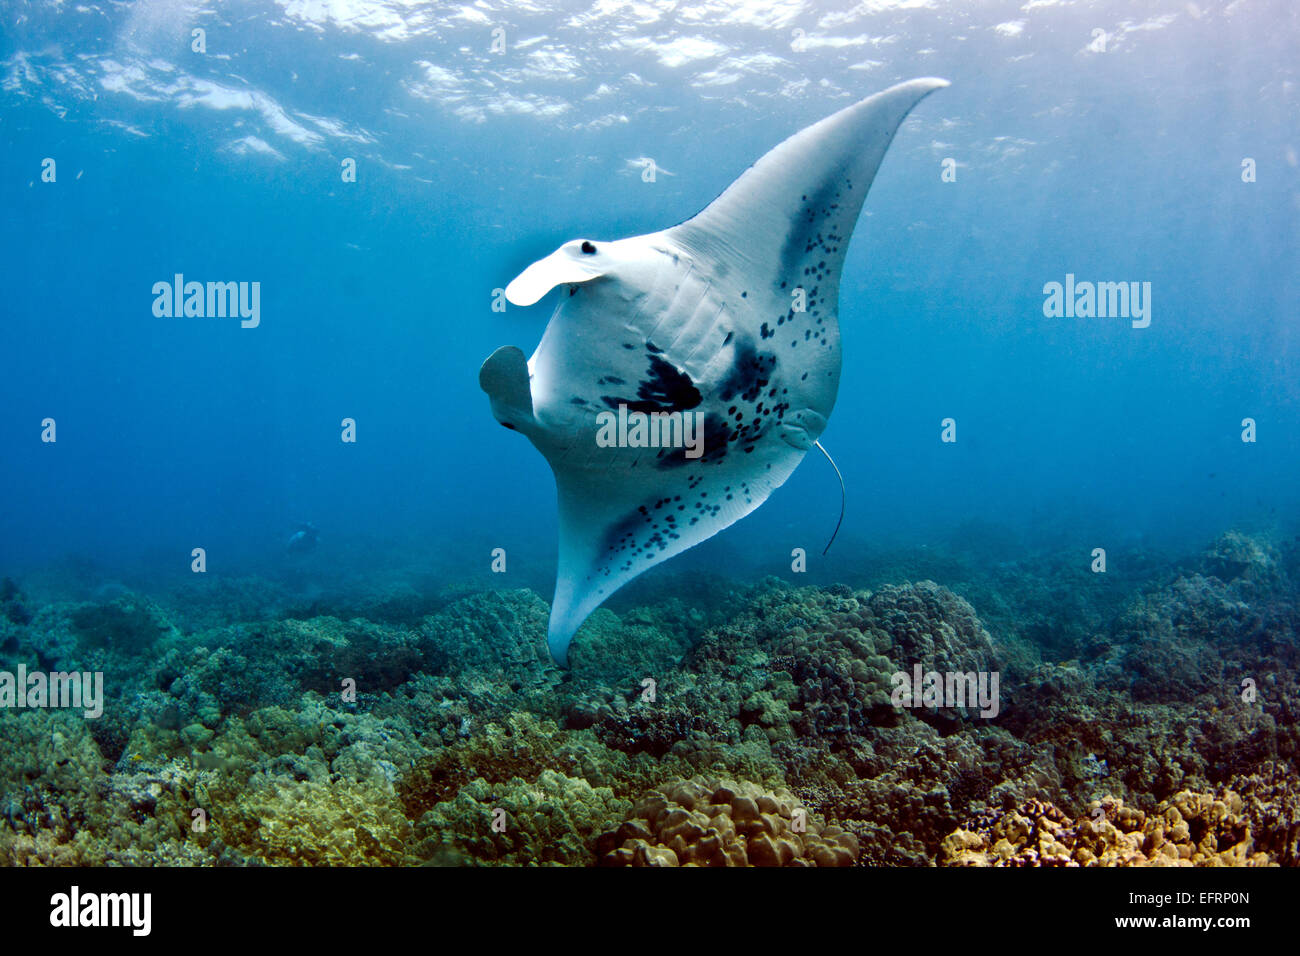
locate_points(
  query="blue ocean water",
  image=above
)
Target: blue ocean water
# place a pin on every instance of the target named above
(1060, 623)
(1101, 140)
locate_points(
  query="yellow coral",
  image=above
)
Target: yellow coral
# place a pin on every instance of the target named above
(317, 822)
(702, 822)
(1188, 829)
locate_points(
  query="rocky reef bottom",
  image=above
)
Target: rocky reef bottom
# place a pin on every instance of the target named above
(708, 722)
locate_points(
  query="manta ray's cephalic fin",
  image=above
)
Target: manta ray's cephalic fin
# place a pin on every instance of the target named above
(504, 376)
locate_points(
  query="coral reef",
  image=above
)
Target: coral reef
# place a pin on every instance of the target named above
(724, 823)
(703, 723)
(1189, 829)
(544, 822)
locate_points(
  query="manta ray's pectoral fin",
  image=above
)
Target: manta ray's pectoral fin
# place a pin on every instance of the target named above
(804, 194)
(504, 376)
(623, 518)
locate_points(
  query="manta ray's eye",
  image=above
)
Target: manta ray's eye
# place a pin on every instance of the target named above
(588, 249)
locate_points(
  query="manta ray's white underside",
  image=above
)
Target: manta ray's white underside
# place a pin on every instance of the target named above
(731, 317)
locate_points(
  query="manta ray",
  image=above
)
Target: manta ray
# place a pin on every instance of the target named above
(730, 318)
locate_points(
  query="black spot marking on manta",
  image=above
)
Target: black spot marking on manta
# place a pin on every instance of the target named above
(717, 435)
(588, 249)
(622, 534)
(749, 372)
(639, 534)
(666, 389)
(804, 232)
(611, 380)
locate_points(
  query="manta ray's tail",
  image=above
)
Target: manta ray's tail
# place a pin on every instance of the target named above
(843, 495)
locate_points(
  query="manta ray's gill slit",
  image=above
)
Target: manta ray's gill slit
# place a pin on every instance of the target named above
(703, 320)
